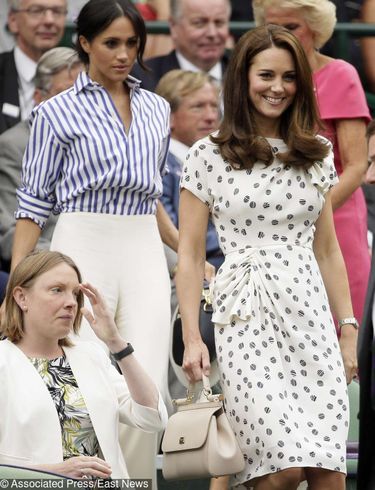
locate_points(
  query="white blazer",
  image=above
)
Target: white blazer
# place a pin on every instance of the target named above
(30, 431)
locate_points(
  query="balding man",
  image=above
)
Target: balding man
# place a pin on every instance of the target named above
(199, 30)
(38, 25)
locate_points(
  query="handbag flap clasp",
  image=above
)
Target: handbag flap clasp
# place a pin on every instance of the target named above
(182, 436)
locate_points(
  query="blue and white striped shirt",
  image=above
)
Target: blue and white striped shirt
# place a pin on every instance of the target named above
(80, 159)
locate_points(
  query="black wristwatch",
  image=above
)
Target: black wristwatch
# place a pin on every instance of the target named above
(117, 356)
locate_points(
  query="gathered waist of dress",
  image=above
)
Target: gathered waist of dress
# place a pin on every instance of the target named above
(248, 270)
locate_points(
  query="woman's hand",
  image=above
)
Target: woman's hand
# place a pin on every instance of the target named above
(81, 467)
(196, 360)
(101, 320)
(348, 346)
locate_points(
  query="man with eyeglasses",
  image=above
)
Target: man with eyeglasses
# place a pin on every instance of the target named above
(38, 25)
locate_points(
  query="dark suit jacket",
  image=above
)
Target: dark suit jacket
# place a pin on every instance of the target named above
(8, 89)
(366, 362)
(160, 66)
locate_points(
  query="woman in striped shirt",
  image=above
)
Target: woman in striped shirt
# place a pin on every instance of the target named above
(96, 157)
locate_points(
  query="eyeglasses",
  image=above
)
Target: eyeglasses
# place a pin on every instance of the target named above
(37, 11)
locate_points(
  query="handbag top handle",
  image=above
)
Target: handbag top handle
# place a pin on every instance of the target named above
(206, 395)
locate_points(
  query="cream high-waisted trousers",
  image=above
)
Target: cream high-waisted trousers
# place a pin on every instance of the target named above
(123, 257)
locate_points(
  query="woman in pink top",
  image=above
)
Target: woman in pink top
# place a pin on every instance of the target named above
(344, 112)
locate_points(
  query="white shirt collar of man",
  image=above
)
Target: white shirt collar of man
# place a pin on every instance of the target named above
(178, 149)
(26, 68)
(216, 71)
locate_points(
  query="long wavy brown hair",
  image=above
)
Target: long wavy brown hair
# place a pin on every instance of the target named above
(239, 139)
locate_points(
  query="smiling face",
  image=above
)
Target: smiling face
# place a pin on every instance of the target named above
(201, 31)
(50, 304)
(36, 32)
(112, 53)
(294, 21)
(272, 87)
(196, 116)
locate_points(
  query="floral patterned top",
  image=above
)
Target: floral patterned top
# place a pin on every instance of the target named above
(78, 435)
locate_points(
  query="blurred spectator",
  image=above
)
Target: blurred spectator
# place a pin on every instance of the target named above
(194, 101)
(347, 11)
(157, 44)
(3, 284)
(241, 12)
(344, 111)
(74, 6)
(366, 364)
(56, 71)
(199, 32)
(38, 26)
(6, 38)
(368, 45)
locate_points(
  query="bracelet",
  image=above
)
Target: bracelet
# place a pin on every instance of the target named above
(117, 356)
(349, 321)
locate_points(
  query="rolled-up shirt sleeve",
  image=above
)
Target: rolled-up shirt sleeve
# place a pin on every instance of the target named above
(41, 167)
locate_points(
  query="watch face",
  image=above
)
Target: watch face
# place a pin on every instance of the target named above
(349, 321)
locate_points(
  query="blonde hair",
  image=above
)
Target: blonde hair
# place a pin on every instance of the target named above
(177, 84)
(52, 62)
(320, 15)
(24, 275)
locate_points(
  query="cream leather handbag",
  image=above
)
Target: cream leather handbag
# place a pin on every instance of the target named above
(198, 441)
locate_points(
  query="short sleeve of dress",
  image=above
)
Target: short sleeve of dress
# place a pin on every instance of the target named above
(196, 170)
(340, 93)
(322, 173)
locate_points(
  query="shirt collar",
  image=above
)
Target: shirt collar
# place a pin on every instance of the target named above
(178, 149)
(84, 82)
(26, 67)
(216, 71)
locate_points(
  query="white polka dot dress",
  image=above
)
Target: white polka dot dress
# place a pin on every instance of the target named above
(281, 368)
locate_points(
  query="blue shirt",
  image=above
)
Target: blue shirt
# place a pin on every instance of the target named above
(80, 159)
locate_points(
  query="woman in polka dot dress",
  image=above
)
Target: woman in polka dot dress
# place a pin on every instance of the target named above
(265, 178)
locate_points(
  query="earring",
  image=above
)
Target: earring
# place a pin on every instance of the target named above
(24, 308)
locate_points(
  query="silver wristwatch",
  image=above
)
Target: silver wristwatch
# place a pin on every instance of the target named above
(349, 321)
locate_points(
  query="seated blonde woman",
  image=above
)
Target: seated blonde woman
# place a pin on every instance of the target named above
(61, 402)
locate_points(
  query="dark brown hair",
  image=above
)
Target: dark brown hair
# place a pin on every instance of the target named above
(96, 15)
(24, 275)
(238, 138)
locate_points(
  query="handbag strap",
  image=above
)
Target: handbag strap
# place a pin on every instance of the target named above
(206, 393)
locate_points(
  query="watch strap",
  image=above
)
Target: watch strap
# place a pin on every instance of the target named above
(117, 356)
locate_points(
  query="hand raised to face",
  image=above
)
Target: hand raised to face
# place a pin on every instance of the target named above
(100, 319)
